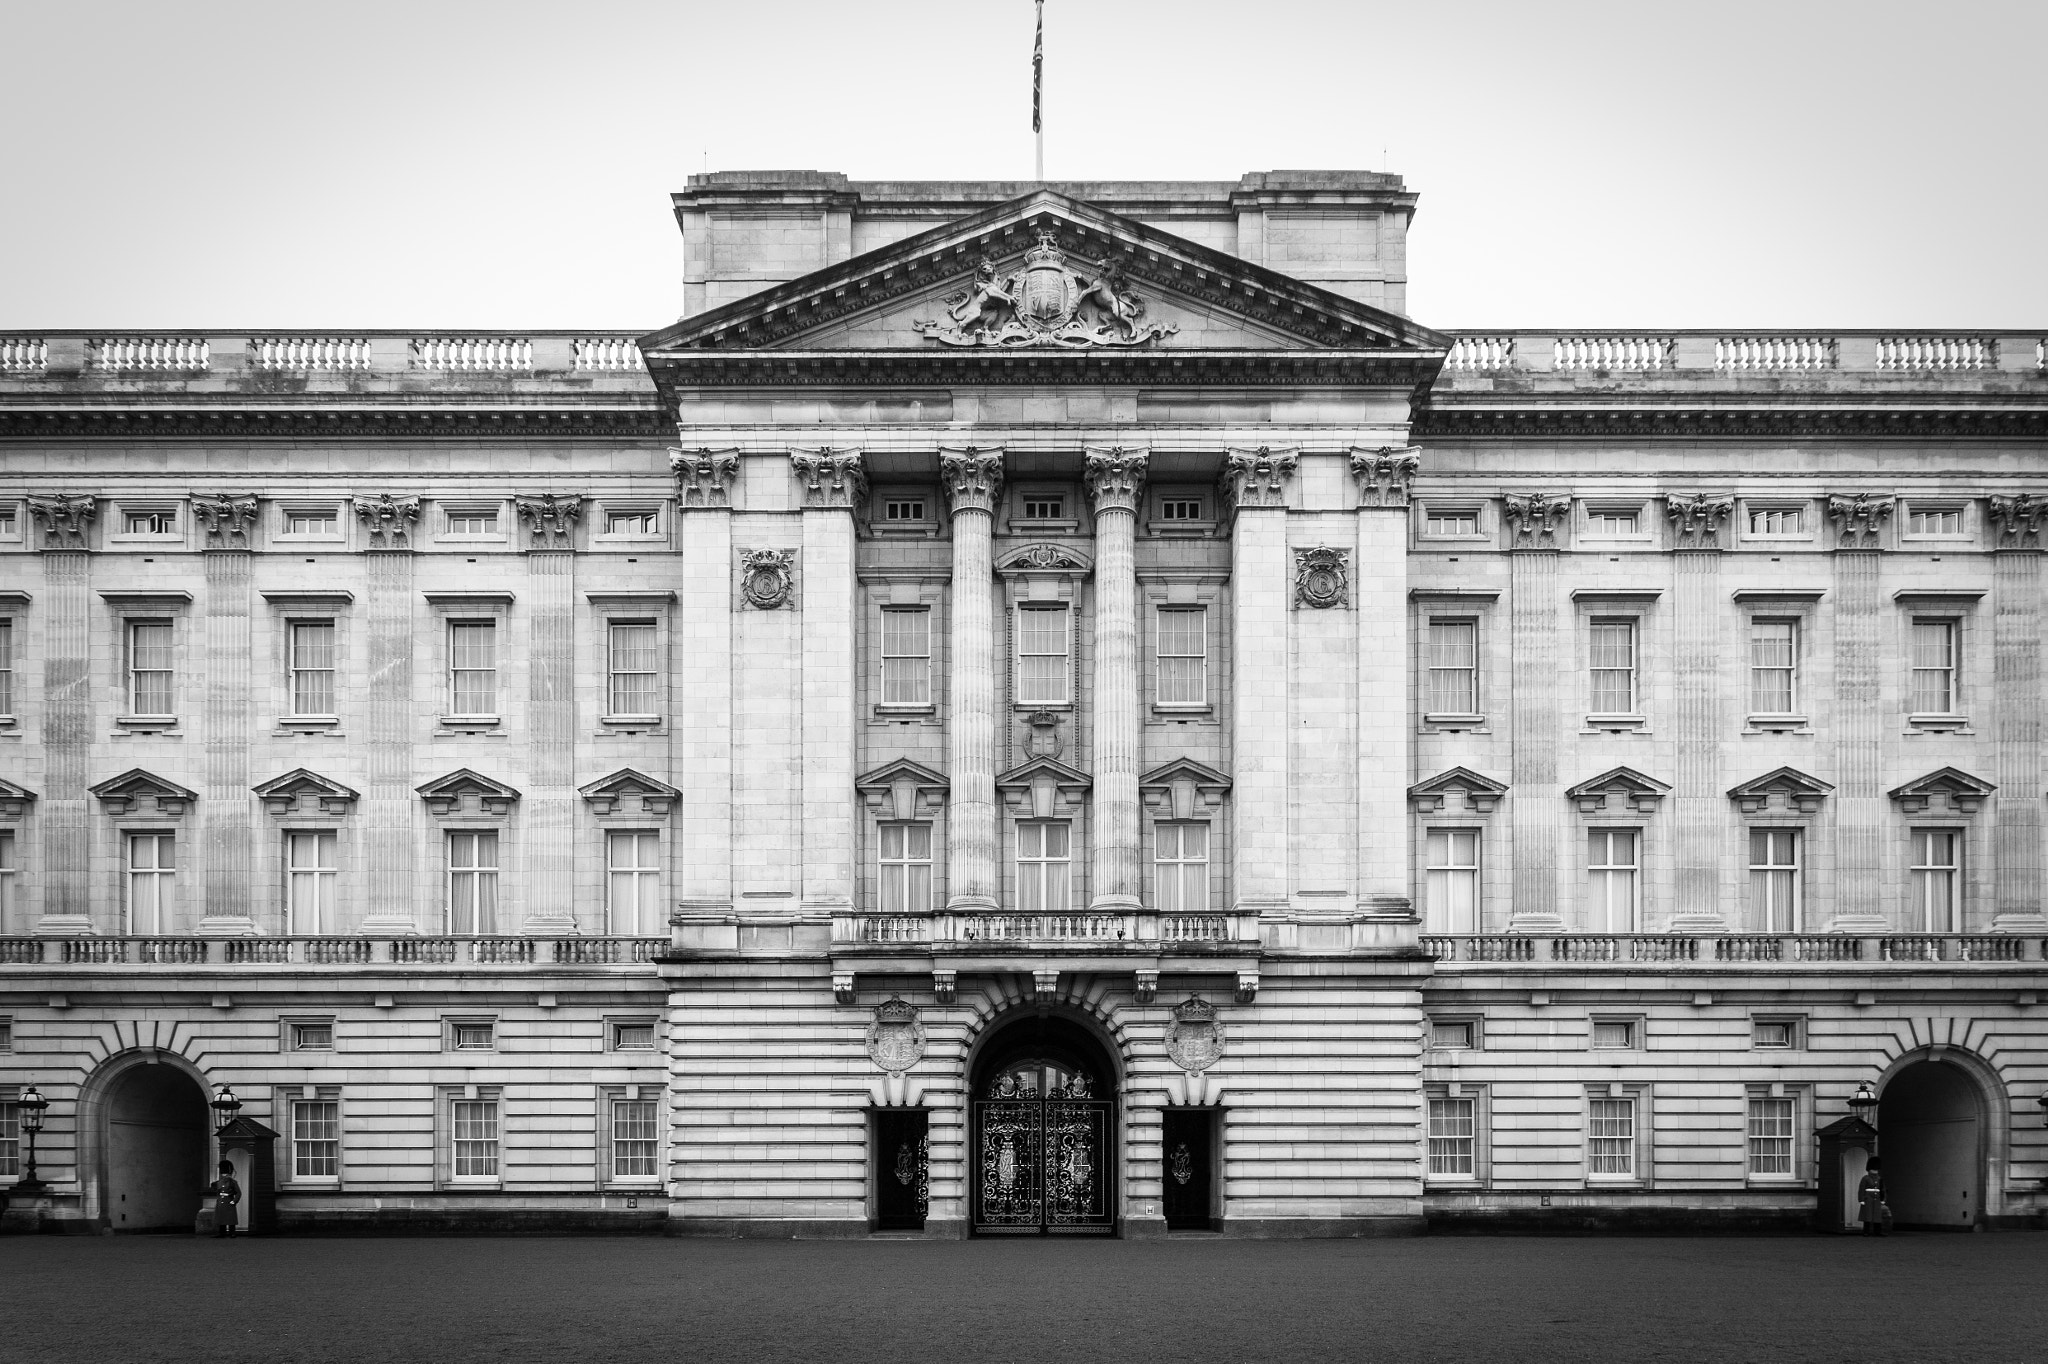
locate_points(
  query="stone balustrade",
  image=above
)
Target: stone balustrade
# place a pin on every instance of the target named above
(151, 354)
(1774, 354)
(330, 951)
(1613, 352)
(23, 354)
(473, 354)
(1678, 951)
(611, 354)
(1730, 354)
(984, 930)
(310, 354)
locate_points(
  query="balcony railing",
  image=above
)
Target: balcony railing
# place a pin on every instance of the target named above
(330, 951)
(999, 931)
(1583, 353)
(1735, 949)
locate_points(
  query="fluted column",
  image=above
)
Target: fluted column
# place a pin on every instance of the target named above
(228, 814)
(550, 797)
(1861, 814)
(972, 479)
(389, 801)
(1116, 478)
(834, 485)
(1256, 481)
(703, 698)
(1386, 478)
(64, 523)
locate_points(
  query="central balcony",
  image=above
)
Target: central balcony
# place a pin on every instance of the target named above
(1026, 931)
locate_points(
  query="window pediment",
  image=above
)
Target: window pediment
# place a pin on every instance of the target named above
(1962, 792)
(1621, 786)
(1788, 785)
(14, 800)
(1183, 789)
(283, 795)
(607, 793)
(121, 794)
(903, 790)
(1481, 793)
(1043, 787)
(446, 795)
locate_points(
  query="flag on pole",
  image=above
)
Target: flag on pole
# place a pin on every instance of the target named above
(1038, 69)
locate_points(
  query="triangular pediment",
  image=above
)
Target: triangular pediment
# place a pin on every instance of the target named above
(303, 788)
(14, 800)
(903, 789)
(444, 795)
(1797, 790)
(1123, 285)
(1481, 793)
(1618, 787)
(123, 793)
(607, 794)
(1042, 787)
(1962, 792)
(1183, 789)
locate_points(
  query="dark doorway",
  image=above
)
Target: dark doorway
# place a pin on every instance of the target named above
(1188, 1155)
(1044, 1104)
(157, 1133)
(1930, 1132)
(902, 1163)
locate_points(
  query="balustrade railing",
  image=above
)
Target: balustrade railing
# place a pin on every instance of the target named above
(310, 354)
(1612, 352)
(331, 951)
(1774, 354)
(1946, 354)
(608, 353)
(473, 354)
(1760, 949)
(151, 354)
(24, 354)
(1472, 354)
(922, 930)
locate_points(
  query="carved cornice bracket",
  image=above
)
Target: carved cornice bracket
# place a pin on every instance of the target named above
(1257, 477)
(2018, 519)
(227, 517)
(1534, 519)
(831, 478)
(1859, 517)
(550, 519)
(1696, 518)
(390, 519)
(1115, 476)
(704, 477)
(1386, 476)
(63, 519)
(972, 477)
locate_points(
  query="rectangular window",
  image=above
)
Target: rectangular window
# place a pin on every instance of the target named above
(151, 523)
(1044, 867)
(634, 660)
(472, 521)
(1774, 1033)
(312, 667)
(1453, 1138)
(473, 667)
(10, 524)
(6, 667)
(473, 881)
(475, 1145)
(1042, 655)
(472, 1036)
(1614, 1033)
(149, 667)
(310, 881)
(1044, 507)
(152, 883)
(1451, 891)
(632, 523)
(1612, 521)
(635, 1139)
(899, 510)
(1770, 1137)
(1180, 863)
(7, 869)
(312, 1036)
(313, 522)
(1183, 656)
(1453, 667)
(1774, 879)
(1614, 667)
(906, 868)
(1773, 655)
(633, 883)
(1934, 521)
(1934, 667)
(906, 656)
(316, 1139)
(1611, 1139)
(1446, 1034)
(1180, 509)
(1937, 879)
(1612, 876)
(1777, 521)
(1451, 521)
(10, 1140)
(632, 1037)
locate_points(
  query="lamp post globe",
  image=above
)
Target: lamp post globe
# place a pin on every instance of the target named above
(1863, 1103)
(31, 1105)
(225, 1105)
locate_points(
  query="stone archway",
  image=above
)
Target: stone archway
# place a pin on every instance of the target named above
(1042, 1157)
(1933, 1124)
(146, 1138)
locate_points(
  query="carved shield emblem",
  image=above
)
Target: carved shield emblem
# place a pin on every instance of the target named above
(1194, 1039)
(767, 576)
(896, 1037)
(1047, 296)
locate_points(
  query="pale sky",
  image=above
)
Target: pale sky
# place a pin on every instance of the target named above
(508, 164)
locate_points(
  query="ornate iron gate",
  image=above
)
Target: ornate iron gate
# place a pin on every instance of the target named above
(1042, 1160)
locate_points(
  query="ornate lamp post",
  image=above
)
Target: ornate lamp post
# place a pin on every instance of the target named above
(226, 1105)
(31, 1106)
(1863, 1103)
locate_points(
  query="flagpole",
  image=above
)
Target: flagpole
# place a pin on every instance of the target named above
(1038, 90)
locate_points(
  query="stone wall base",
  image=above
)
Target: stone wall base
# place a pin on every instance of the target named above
(1619, 1220)
(1319, 1228)
(471, 1222)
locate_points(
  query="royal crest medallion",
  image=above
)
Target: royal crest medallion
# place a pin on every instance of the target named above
(1054, 300)
(767, 577)
(1194, 1039)
(896, 1036)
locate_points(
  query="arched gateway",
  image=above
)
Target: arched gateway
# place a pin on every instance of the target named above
(1043, 1102)
(148, 1138)
(1933, 1133)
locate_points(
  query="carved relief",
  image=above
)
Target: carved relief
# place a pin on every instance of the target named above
(830, 478)
(1533, 519)
(896, 1036)
(767, 577)
(1385, 476)
(550, 519)
(1048, 558)
(972, 478)
(227, 518)
(1696, 519)
(63, 519)
(1194, 1039)
(2017, 519)
(1258, 477)
(1860, 518)
(1047, 303)
(704, 477)
(1322, 577)
(1115, 476)
(390, 519)
(1043, 741)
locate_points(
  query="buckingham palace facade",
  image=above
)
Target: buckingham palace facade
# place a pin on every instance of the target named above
(1032, 709)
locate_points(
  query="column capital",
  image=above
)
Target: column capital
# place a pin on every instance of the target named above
(63, 518)
(1859, 517)
(1533, 518)
(1116, 477)
(2017, 519)
(1696, 518)
(1386, 476)
(972, 476)
(704, 477)
(1256, 476)
(390, 519)
(550, 519)
(830, 477)
(227, 517)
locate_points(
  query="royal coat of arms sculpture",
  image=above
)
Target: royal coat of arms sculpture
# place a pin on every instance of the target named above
(1194, 1039)
(1047, 303)
(896, 1036)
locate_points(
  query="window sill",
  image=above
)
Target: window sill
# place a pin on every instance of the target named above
(630, 721)
(1937, 721)
(1777, 724)
(906, 530)
(884, 709)
(329, 1183)
(1616, 1182)
(146, 722)
(1183, 712)
(467, 722)
(472, 1182)
(308, 721)
(1026, 707)
(1192, 530)
(1022, 527)
(1450, 720)
(9, 721)
(1617, 721)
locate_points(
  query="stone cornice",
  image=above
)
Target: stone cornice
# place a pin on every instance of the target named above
(1439, 421)
(314, 419)
(689, 370)
(1115, 476)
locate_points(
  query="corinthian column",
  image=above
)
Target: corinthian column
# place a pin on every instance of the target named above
(1115, 477)
(972, 478)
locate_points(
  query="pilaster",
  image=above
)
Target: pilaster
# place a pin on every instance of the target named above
(1536, 795)
(703, 705)
(1116, 480)
(1699, 806)
(1255, 485)
(972, 479)
(1386, 479)
(833, 484)
(228, 812)
(1860, 806)
(548, 809)
(63, 522)
(2016, 697)
(388, 800)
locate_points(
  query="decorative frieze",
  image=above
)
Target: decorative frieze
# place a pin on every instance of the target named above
(1322, 577)
(704, 477)
(1386, 476)
(390, 519)
(550, 519)
(831, 478)
(1115, 477)
(1533, 519)
(2017, 520)
(1860, 517)
(1258, 477)
(64, 519)
(972, 477)
(1696, 518)
(767, 577)
(227, 518)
